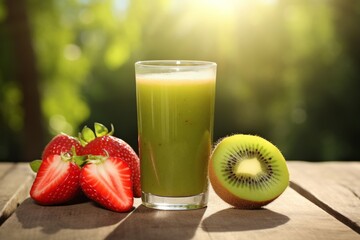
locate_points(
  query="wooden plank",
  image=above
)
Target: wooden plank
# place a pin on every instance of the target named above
(15, 185)
(5, 167)
(333, 186)
(82, 220)
(291, 216)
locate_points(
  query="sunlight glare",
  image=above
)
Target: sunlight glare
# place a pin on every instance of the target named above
(224, 8)
(72, 52)
(269, 2)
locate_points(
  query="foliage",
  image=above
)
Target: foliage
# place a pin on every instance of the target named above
(287, 70)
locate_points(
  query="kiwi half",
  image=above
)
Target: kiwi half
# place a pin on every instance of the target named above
(247, 171)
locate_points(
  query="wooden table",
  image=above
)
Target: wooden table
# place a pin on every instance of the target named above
(322, 202)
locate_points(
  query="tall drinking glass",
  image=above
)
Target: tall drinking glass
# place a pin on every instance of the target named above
(175, 107)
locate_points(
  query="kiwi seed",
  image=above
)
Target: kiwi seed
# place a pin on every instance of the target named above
(247, 171)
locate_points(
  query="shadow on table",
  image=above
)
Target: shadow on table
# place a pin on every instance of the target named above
(235, 220)
(146, 223)
(78, 215)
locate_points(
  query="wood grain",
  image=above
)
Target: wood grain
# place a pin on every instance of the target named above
(15, 183)
(79, 220)
(291, 216)
(333, 186)
(5, 168)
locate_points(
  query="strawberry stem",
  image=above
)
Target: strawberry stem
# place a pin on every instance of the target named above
(78, 160)
(112, 130)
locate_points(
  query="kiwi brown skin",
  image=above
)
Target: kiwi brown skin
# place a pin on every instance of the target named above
(231, 198)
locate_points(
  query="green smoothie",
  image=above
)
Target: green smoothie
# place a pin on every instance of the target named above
(175, 125)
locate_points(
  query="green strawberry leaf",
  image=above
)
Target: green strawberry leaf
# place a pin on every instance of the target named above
(87, 134)
(100, 130)
(35, 165)
(82, 141)
(80, 160)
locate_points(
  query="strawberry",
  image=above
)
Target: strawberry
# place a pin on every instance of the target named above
(102, 143)
(57, 180)
(61, 143)
(107, 181)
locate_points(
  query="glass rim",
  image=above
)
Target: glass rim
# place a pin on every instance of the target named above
(175, 63)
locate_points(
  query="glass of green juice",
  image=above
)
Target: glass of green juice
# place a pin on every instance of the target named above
(175, 113)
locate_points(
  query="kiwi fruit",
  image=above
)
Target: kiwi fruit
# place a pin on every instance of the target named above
(247, 171)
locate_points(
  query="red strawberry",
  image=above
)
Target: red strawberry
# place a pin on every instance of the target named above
(61, 143)
(107, 181)
(57, 181)
(105, 144)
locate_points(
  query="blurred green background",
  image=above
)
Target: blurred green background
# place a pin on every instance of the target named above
(287, 70)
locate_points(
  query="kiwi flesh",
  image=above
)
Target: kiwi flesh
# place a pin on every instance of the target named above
(247, 171)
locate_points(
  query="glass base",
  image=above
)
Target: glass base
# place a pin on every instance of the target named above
(174, 203)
